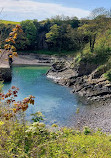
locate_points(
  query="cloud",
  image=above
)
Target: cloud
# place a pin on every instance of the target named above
(18, 10)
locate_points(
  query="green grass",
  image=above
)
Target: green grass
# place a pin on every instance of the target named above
(46, 52)
(73, 144)
(9, 22)
(39, 142)
(108, 75)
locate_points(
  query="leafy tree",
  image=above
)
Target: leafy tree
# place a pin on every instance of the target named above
(30, 30)
(57, 20)
(10, 41)
(22, 43)
(94, 27)
(53, 36)
(60, 32)
(74, 22)
(90, 30)
(72, 38)
(4, 32)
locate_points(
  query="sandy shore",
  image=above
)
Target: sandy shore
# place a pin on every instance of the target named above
(32, 59)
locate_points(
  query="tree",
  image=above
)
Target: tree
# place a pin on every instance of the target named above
(30, 30)
(22, 43)
(91, 31)
(94, 27)
(4, 32)
(75, 38)
(9, 49)
(53, 36)
(98, 12)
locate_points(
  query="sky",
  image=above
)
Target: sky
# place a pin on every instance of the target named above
(18, 10)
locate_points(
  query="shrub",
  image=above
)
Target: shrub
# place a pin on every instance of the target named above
(86, 130)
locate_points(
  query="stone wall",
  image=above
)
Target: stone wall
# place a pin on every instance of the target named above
(6, 74)
(5, 68)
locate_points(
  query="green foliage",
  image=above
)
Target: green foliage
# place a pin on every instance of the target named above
(103, 44)
(1, 86)
(37, 117)
(108, 75)
(78, 58)
(4, 33)
(77, 111)
(30, 30)
(101, 55)
(58, 33)
(64, 33)
(22, 42)
(86, 130)
(53, 36)
(49, 52)
(40, 142)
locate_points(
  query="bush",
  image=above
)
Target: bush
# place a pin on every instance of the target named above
(86, 130)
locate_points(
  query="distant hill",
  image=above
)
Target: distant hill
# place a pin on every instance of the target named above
(9, 22)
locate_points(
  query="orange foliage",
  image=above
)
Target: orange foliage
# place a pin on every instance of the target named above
(11, 40)
(15, 106)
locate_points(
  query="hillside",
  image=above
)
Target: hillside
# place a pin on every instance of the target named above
(9, 22)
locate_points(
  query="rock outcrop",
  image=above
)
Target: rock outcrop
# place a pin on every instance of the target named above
(5, 67)
(5, 74)
(84, 78)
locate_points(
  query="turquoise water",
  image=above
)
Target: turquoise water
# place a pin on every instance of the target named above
(56, 102)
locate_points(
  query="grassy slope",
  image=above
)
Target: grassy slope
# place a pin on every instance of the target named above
(79, 145)
(9, 22)
(42, 143)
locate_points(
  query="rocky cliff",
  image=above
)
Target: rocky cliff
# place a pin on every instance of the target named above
(84, 78)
